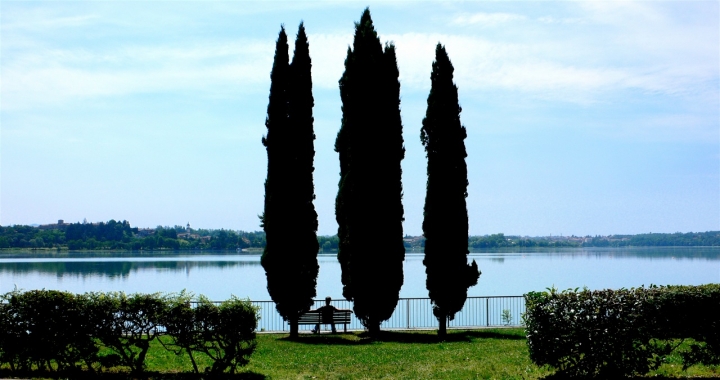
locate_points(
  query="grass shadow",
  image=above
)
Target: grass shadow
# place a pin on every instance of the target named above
(149, 375)
(346, 339)
(558, 376)
(410, 337)
(485, 334)
(452, 336)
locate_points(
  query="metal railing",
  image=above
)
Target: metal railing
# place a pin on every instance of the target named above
(416, 313)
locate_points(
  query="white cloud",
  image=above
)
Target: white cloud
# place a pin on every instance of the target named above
(328, 52)
(40, 77)
(641, 47)
(484, 65)
(486, 19)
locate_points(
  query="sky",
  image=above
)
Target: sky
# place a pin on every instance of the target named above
(583, 118)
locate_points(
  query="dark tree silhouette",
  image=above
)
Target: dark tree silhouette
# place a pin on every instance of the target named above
(369, 207)
(445, 223)
(289, 220)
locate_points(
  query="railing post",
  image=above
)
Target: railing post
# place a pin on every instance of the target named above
(487, 311)
(407, 311)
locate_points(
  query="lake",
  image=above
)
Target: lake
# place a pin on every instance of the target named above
(219, 275)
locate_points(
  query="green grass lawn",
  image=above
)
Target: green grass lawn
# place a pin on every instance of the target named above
(484, 354)
(466, 354)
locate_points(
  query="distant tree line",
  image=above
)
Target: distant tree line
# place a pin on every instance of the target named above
(328, 243)
(677, 239)
(502, 241)
(121, 236)
(105, 235)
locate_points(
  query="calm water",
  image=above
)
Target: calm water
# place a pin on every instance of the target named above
(503, 273)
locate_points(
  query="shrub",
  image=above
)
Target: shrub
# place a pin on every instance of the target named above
(619, 332)
(691, 312)
(228, 332)
(45, 330)
(225, 333)
(127, 324)
(48, 330)
(182, 325)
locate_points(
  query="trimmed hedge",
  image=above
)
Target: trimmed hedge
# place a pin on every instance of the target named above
(622, 332)
(222, 333)
(49, 330)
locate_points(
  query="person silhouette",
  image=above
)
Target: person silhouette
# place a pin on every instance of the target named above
(327, 316)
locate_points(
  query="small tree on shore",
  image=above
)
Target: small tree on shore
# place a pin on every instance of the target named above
(289, 218)
(445, 224)
(369, 207)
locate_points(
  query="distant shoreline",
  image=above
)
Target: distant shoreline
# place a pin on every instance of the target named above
(22, 252)
(113, 236)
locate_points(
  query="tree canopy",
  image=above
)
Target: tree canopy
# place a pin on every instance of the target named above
(369, 207)
(445, 223)
(289, 219)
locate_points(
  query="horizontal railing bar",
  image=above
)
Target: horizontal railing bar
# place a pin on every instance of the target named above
(415, 313)
(400, 299)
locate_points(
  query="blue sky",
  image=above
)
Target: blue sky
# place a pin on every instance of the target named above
(582, 117)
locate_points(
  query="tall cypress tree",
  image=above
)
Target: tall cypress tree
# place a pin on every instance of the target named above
(301, 121)
(290, 220)
(445, 223)
(369, 207)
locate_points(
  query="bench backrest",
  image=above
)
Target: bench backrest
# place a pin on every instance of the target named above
(315, 316)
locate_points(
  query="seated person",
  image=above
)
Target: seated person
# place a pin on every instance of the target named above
(327, 315)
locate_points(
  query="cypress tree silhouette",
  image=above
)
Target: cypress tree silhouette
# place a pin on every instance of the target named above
(369, 207)
(289, 219)
(445, 223)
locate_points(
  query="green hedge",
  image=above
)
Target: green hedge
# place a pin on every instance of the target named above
(48, 330)
(622, 332)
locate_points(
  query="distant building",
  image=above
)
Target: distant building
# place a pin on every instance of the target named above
(192, 236)
(142, 232)
(55, 226)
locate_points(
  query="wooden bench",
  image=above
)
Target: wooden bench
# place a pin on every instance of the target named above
(314, 317)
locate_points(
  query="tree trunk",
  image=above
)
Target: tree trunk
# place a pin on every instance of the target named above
(374, 328)
(442, 331)
(294, 328)
(192, 360)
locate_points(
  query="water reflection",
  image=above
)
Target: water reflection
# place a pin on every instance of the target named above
(121, 265)
(218, 275)
(682, 253)
(113, 269)
(49, 254)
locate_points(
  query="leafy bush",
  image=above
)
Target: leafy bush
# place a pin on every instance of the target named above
(127, 324)
(182, 325)
(228, 332)
(619, 332)
(45, 330)
(225, 333)
(690, 312)
(49, 330)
